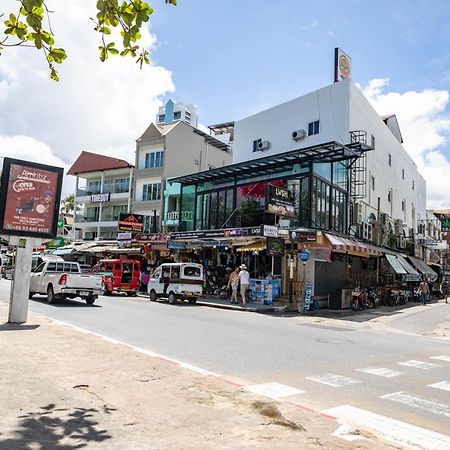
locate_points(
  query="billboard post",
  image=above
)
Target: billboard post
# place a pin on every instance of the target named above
(30, 196)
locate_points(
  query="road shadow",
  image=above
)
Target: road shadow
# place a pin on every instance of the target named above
(62, 303)
(17, 327)
(53, 428)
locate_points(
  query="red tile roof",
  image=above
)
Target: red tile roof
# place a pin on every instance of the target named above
(91, 162)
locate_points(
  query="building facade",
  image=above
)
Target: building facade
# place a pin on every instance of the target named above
(103, 191)
(174, 112)
(164, 152)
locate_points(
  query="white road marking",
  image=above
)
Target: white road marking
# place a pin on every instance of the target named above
(381, 372)
(333, 380)
(441, 358)
(444, 385)
(348, 433)
(395, 431)
(273, 390)
(419, 403)
(419, 364)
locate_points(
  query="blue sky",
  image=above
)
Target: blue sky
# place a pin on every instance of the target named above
(235, 57)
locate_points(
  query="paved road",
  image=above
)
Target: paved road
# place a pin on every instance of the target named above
(393, 375)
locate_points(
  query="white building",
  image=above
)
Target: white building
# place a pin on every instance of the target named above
(389, 186)
(175, 112)
(103, 191)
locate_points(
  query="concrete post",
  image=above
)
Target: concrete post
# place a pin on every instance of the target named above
(20, 288)
(100, 212)
(130, 190)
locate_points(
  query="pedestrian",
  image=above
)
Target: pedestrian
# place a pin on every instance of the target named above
(233, 282)
(244, 278)
(166, 279)
(424, 292)
(444, 289)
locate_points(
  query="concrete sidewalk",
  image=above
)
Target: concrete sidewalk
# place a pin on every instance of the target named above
(62, 388)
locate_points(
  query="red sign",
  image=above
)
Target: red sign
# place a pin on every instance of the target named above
(131, 222)
(30, 198)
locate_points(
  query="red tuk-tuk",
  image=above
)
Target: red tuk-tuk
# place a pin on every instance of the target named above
(119, 275)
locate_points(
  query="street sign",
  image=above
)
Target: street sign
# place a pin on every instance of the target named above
(307, 300)
(124, 236)
(445, 225)
(304, 255)
(60, 224)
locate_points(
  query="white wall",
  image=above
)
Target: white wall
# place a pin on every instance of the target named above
(144, 149)
(329, 105)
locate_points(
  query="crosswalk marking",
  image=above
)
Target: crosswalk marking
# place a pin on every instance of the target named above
(419, 364)
(273, 390)
(333, 380)
(419, 403)
(441, 358)
(400, 433)
(381, 372)
(444, 385)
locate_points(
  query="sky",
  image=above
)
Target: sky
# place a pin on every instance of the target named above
(231, 58)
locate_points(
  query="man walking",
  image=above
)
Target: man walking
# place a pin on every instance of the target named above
(444, 289)
(424, 292)
(244, 278)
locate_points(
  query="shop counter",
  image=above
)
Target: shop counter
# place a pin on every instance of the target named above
(264, 291)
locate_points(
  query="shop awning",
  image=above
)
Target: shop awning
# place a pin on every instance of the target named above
(402, 267)
(352, 246)
(395, 264)
(423, 267)
(255, 247)
(405, 264)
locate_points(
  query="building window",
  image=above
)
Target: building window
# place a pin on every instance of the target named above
(154, 159)
(390, 159)
(94, 187)
(161, 118)
(117, 209)
(121, 185)
(372, 141)
(177, 115)
(256, 144)
(413, 184)
(151, 191)
(403, 205)
(390, 196)
(372, 182)
(403, 174)
(313, 128)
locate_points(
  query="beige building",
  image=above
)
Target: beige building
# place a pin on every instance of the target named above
(164, 152)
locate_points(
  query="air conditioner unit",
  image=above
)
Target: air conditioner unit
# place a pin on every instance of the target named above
(399, 225)
(298, 135)
(367, 231)
(264, 145)
(384, 219)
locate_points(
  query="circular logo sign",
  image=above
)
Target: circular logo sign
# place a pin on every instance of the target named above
(344, 66)
(304, 255)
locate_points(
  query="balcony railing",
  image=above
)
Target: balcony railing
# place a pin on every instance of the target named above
(105, 218)
(112, 188)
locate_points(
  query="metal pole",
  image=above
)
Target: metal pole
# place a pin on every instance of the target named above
(291, 267)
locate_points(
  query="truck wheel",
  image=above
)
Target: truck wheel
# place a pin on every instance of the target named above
(153, 296)
(172, 298)
(50, 295)
(90, 300)
(30, 295)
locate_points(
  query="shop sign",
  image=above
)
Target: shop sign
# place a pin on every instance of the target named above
(304, 255)
(100, 198)
(445, 224)
(437, 245)
(307, 299)
(131, 222)
(60, 224)
(176, 245)
(30, 198)
(279, 201)
(270, 231)
(305, 235)
(342, 65)
(275, 246)
(228, 232)
(124, 236)
(152, 237)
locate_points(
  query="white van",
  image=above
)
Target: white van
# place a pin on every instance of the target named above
(175, 281)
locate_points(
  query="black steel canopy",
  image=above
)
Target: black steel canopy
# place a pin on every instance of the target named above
(328, 152)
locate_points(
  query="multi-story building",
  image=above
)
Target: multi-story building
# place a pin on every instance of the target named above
(103, 191)
(174, 112)
(389, 194)
(166, 151)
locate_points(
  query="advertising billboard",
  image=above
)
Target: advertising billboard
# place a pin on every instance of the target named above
(131, 222)
(279, 201)
(342, 65)
(29, 199)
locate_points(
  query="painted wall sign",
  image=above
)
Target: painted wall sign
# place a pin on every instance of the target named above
(279, 201)
(100, 198)
(131, 222)
(275, 246)
(30, 198)
(342, 65)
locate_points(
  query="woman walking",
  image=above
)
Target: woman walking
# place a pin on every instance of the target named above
(233, 282)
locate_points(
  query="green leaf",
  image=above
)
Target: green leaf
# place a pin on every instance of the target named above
(54, 75)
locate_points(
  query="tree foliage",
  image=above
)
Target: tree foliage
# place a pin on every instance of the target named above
(30, 26)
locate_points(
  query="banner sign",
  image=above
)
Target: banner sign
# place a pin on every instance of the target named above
(305, 235)
(30, 198)
(228, 232)
(342, 65)
(307, 299)
(270, 231)
(279, 201)
(100, 198)
(176, 245)
(131, 222)
(275, 246)
(153, 237)
(124, 236)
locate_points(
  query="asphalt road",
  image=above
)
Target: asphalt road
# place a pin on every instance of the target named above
(380, 372)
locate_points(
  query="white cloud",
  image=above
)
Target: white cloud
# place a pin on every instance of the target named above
(310, 26)
(425, 125)
(101, 107)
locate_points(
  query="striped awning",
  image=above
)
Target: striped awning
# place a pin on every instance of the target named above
(350, 245)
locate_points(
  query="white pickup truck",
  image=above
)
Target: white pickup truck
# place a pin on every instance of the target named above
(61, 279)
